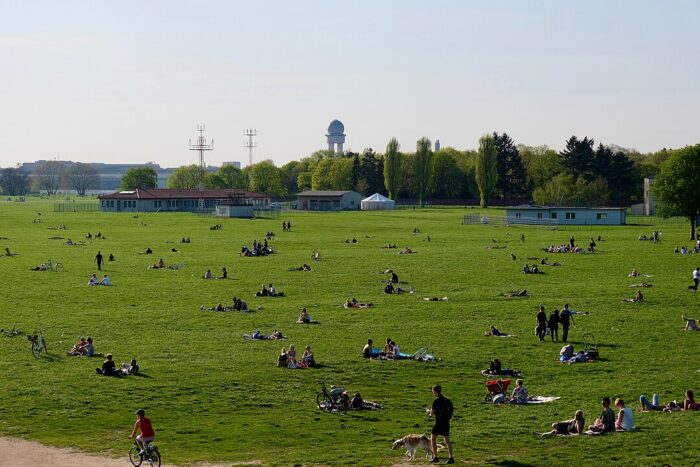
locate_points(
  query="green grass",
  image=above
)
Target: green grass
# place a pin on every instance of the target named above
(213, 397)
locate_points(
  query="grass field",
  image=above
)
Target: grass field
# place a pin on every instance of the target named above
(213, 397)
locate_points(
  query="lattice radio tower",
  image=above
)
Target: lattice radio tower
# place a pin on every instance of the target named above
(201, 145)
(250, 144)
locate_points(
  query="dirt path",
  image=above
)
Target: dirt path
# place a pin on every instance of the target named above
(15, 452)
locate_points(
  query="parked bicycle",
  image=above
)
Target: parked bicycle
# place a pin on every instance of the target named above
(151, 455)
(11, 332)
(335, 399)
(54, 265)
(38, 344)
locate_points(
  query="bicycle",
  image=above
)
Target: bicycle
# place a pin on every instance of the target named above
(151, 455)
(38, 344)
(11, 332)
(335, 399)
(54, 265)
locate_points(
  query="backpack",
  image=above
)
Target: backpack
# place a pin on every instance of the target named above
(447, 409)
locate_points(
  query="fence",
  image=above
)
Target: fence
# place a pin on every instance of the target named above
(77, 207)
(503, 221)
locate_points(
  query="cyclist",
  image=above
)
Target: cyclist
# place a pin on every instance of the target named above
(147, 433)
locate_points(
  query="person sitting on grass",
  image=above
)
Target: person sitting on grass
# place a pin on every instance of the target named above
(690, 324)
(606, 422)
(407, 251)
(689, 401)
(292, 355)
(276, 335)
(571, 427)
(93, 280)
(355, 304)
(519, 395)
(131, 368)
(394, 278)
(75, 351)
(368, 351)
(638, 298)
(148, 251)
(224, 273)
(108, 367)
(625, 421)
(105, 280)
(161, 264)
(526, 269)
(239, 305)
(316, 256)
(283, 358)
(208, 275)
(307, 358)
(304, 317)
(263, 292)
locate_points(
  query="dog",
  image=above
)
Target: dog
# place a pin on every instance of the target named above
(412, 443)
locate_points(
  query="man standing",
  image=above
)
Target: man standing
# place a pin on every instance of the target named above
(696, 278)
(442, 411)
(565, 318)
(98, 259)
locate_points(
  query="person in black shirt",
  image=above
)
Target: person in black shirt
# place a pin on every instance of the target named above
(98, 259)
(541, 328)
(109, 368)
(565, 318)
(553, 324)
(441, 410)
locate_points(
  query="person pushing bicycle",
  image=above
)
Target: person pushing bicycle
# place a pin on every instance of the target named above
(147, 433)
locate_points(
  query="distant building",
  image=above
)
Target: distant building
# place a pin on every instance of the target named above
(437, 145)
(328, 200)
(336, 136)
(533, 214)
(236, 164)
(181, 200)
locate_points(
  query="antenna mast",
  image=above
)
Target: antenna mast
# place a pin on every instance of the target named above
(250, 144)
(200, 146)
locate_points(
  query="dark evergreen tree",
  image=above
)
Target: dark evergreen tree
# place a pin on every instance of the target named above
(577, 158)
(512, 176)
(616, 169)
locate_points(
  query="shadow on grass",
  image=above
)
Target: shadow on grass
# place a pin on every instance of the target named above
(509, 463)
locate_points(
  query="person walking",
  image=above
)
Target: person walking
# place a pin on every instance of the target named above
(541, 328)
(565, 319)
(696, 278)
(98, 259)
(441, 410)
(553, 324)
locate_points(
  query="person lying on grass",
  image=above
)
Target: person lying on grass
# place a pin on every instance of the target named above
(131, 368)
(303, 267)
(352, 303)
(516, 293)
(496, 333)
(390, 289)
(41, 267)
(390, 245)
(545, 262)
(567, 355)
(571, 427)
(435, 299)
(643, 284)
(673, 406)
(257, 335)
(218, 307)
(407, 251)
(638, 298)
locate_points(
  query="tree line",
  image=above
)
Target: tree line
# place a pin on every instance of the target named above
(50, 176)
(582, 174)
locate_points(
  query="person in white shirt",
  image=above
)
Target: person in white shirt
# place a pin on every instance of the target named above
(272, 290)
(93, 280)
(625, 421)
(696, 278)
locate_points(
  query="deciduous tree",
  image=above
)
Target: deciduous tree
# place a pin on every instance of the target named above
(142, 178)
(392, 168)
(185, 177)
(423, 165)
(265, 178)
(82, 177)
(48, 176)
(677, 186)
(486, 168)
(13, 181)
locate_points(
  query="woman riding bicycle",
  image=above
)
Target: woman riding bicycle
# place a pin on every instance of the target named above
(147, 433)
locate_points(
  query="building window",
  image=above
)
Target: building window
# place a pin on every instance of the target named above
(571, 215)
(554, 215)
(601, 215)
(539, 215)
(517, 215)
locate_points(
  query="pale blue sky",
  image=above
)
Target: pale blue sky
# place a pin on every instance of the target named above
(128, 81)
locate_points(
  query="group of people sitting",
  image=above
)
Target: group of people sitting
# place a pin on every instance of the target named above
(84, 347)
(94, 280)
(684, 249)
(391, 350)
(606, 423)
(268, 291)
(347, 240)
(567, 355)
(109, 368)
(564, 248)
(216, 227)
(288, 358)
(237, 305)
(209, 275)
(185, 240)
(286, 226)
(342, 396)
(259, 249)
(532, 270)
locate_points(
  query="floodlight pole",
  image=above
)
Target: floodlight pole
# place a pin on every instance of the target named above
(200, 146)
(250, 144)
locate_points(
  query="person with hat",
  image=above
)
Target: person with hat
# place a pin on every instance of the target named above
(143, 424)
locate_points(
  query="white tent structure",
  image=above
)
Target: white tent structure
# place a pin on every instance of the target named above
(376, 202)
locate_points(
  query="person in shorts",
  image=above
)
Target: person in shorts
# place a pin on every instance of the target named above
(147, 433)
(441, 410)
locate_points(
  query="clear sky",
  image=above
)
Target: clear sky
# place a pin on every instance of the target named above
(128, 81)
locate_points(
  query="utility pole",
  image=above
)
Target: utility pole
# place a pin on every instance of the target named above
(200, 146)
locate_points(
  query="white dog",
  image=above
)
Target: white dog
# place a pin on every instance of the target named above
(412, 443)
